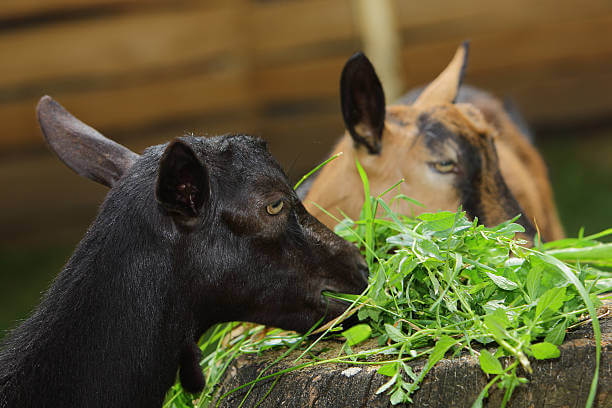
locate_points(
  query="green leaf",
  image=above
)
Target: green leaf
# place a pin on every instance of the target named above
(557, 334)
(407, 265)
(441, 347)
(545, 350)
(441, 221)
(406, 239)
(532, 283)
(480, 265)
(394, 333)
(510, 229)
(434, 282)
(397, 396)
(596, 255)
(367, 212)
(357, 334)
(458, 262)
(551, 300)
(369, 313)
(489, 363)
(502, 282)
(477, 287)
(497, 323)
(550, 276)
(409, 372)
(492, 305)
(388, 369)
(386, 385)
(428, 248)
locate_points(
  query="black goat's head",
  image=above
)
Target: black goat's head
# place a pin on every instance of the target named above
(240, 241)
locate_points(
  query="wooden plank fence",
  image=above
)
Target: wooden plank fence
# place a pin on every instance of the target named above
(143, 72)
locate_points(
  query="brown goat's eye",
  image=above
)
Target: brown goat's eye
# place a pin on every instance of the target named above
(275, 208)
(446, 166)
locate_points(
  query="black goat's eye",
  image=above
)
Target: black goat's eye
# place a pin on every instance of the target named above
(275, 208)
(446, 166)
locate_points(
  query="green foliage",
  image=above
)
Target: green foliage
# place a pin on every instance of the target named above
(443, 284)
(489, 363)
(544, 350)
(357, 334)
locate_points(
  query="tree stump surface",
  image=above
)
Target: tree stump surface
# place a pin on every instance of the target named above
(561, 382)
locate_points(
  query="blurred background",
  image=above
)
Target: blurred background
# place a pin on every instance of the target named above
(145, 72)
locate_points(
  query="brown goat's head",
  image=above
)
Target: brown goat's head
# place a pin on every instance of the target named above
(445, 151)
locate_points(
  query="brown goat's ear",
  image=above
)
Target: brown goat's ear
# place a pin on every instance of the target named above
(363, 102)
(182, 183)
(445, 87)
(80, 147)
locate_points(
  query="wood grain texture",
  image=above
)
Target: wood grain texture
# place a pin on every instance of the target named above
(28, 8)
(144, 72)
(286, 51)
(453, 382)
(114, 45)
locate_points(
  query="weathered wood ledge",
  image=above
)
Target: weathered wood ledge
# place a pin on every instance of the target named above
(561, 382)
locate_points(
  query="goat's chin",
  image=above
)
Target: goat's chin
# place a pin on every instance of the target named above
(329, 309)
(303, 320)
(332, 308)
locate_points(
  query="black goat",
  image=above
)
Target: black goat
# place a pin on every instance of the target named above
(192, 233)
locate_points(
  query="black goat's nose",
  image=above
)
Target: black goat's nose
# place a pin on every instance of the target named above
(364, 270)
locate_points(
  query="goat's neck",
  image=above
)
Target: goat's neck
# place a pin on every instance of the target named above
(109, 332)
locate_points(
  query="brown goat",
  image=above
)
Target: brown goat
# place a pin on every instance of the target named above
(449, 153)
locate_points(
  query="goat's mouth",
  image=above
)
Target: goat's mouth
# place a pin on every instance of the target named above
(332, 303)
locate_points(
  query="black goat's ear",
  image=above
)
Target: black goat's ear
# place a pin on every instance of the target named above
(182, 183)
(80, 147)
(363, 102)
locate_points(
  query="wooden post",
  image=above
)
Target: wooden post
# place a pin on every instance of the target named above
(381, 42)
(453, 382)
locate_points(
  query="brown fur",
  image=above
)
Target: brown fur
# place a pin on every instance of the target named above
(513, 175)
(523, 168)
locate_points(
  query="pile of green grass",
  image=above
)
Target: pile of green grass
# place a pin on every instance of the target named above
(440, 284)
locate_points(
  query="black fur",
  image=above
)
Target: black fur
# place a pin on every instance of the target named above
(154, 272)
